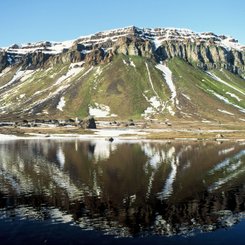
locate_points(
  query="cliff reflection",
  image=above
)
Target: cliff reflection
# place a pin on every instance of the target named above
(124, 189)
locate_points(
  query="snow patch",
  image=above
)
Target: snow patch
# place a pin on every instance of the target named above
(230, 44)
(154, 101)
(157, 42)
(234, 96)
(125, 63)
(206, 121)
(226, 100)
(100, 110)
(98, 72)
(52, 48)
(148, 112)
(61, 104)
(62, 87)
(226, 112)
(59, 90)
(87, 72)
(222, 81)
(45, 112)
(170, 110)
(27, 74)
(19, 75)
(154, 108)
(132, 63)
(74, 69)
(156, 36)
(5, 71)
(86, 51)
(150, 80)
(186, 96)
(168, 77)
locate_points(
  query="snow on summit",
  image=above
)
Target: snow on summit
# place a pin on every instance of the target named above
(155, 35)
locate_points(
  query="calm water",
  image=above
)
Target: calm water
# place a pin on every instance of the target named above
(97, 192)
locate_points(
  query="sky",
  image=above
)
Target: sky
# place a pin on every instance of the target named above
(23, 21)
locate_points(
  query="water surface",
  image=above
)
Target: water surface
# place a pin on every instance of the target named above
(88, 192)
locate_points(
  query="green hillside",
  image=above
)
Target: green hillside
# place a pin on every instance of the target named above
(126, 87)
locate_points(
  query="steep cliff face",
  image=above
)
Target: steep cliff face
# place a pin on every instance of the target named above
(206, 50)
(3, 60)
(132, 45)
(206, 56)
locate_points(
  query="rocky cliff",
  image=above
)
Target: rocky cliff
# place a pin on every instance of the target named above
(206, 50)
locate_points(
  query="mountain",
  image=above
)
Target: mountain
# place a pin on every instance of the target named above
(126, 73)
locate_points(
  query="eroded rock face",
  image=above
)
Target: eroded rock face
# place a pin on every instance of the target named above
(70, 56)
(3, 60)
(203, 55)
(95, 57)
(134, 46)
(35, 60)
(206, 50)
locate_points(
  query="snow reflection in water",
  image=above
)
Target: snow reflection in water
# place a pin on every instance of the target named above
(123, 188)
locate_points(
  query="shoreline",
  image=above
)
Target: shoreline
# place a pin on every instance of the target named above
(121, 134)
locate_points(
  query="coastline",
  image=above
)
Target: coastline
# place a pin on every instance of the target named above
(179, 132)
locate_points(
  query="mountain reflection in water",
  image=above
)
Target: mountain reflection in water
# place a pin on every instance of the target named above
(124, 189)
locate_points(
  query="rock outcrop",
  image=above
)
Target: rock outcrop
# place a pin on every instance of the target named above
(88, 123)
(205, 50)
(3, 60)
(206, 56)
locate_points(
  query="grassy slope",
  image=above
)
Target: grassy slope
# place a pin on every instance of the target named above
(6, 77)
(197, 85)
(78, 96)
(121, 87)
(41, 80)
(236, 82)
(118, 86)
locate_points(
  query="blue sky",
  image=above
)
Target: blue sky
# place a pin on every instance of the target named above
(23, 21)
